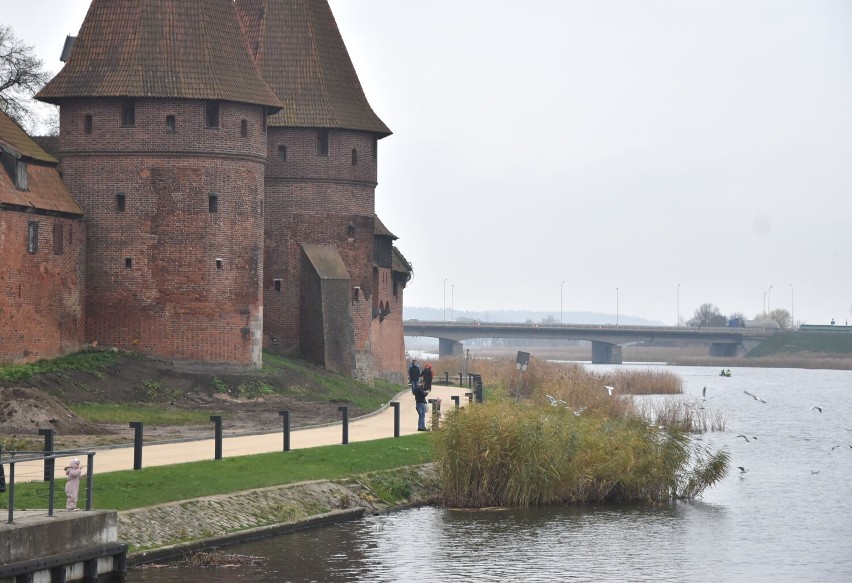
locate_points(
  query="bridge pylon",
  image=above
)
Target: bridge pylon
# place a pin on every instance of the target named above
(447, 347)
(604, 353)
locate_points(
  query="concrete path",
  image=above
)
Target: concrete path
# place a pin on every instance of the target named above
(376, 426)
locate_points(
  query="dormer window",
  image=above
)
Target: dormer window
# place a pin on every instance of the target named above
(211, 114)
(128, 113)
(322, 142)
(21, 175)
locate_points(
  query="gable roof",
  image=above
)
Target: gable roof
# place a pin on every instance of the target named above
(17, 139)
(161, 48)
(301, 55)
(379, 229)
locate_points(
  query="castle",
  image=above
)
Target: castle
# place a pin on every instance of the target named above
(212, 195)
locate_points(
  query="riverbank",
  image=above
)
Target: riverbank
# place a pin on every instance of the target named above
(170, 531)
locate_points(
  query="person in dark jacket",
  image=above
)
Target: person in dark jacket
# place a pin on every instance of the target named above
(426, 375)
(413, 374)
(420, 393)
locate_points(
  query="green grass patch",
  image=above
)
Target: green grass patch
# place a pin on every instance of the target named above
(157, 485)
(825, 343)
(125, 413)
(91, 361)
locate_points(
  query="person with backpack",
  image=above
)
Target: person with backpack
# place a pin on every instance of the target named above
(413, 375)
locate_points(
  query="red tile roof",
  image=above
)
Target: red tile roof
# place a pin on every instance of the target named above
(161, 48)
(14, 136)
(301, 54)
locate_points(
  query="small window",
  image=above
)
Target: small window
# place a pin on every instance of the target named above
(211, 114)
(354, 157)
(32, 237)
(282, 153)
(218, 263)
(322, 143)
(213, 202)
(58, 238)
(243, 129)
(350, 231)
(128, 113)
(277, 284)
(120, 202)
(171, 126)
(128, 263)
(87, 125)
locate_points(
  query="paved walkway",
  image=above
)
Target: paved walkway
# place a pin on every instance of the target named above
(376, 426)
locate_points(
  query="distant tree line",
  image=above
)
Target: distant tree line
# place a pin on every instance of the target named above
(710, 315)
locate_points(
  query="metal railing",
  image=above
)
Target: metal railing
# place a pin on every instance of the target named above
(14, 457)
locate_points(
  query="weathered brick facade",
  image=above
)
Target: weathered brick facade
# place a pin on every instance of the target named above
(175, 225)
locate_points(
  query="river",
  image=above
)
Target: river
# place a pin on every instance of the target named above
(788, 517)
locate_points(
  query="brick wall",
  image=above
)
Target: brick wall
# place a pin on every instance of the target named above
(176, 271)
(41, 307)
(387, 339)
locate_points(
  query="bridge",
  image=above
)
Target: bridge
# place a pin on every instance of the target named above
(606, 339)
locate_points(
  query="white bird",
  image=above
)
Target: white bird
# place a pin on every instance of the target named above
(609, 389)
(579, 411)
(755, 397)
(746, 438)
(554, 401)
(817, 407)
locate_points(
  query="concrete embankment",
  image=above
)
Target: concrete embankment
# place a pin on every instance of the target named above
(169, 531)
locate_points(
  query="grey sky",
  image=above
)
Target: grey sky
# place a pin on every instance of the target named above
(608, 144)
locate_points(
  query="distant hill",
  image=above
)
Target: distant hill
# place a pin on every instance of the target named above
(520, 316)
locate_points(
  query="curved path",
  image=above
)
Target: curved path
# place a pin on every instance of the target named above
(369, 427)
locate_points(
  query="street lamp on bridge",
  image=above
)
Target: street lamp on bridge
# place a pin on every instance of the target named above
(445, 299)
(769, 301)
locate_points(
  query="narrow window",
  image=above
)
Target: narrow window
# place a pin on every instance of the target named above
(128, 263)
(120, 202)
(243, 129)
(211, 114)
(354, 157)
(128, 113)
(213, 202)
(350, 231)
(277, 284)
(87, 125)
(322, 143)
(58, 238)
(282, 153)
(21, 175)
(32, 237)
(171, 126)
(218, 263)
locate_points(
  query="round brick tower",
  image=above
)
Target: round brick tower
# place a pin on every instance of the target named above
(320, 185)
(163, 144)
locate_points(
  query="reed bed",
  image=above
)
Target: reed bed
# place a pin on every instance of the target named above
(503, 453)
(691, 416)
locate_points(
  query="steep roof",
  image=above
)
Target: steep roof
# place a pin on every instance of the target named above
(161, 48)
(299, 51)
(45, 189)
(381, 230)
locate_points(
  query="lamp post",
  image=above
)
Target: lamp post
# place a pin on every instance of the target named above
(768, 301)
(616, 307)
(445, 299)
(677, 322)
(562, 285)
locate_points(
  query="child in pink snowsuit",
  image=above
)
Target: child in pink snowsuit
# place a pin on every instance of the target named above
(72, 486)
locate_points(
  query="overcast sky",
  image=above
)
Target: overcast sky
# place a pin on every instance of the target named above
(682, 152)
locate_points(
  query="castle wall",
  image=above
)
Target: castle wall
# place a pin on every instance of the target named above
(41, 304)
(324, 200)
(175, 226)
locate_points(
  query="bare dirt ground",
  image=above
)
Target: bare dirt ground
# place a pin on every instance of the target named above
(26, 407)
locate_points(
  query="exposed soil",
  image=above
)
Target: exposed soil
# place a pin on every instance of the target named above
(26, 407)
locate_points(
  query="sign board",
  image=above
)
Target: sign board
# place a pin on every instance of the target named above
(522, 361)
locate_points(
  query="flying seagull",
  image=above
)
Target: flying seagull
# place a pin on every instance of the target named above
(755, 397)
(609, 389)
(746, 438)
(554, 401)
(817, 407)
(742, 469)
(579, 411)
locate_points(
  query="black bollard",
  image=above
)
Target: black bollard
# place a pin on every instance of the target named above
(345, 411)
(469, 397)
(137, 444)
(461, 379)
(395, 406)
(455, 399)
(447, 377)
(286, 415)
(48, 450)
(90, 475)
(217, 435)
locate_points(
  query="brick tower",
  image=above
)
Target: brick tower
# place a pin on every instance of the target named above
(163, 144)
(320, 188)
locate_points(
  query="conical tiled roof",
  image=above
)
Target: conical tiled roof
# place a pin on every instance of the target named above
(191, 49)
(301, 55)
